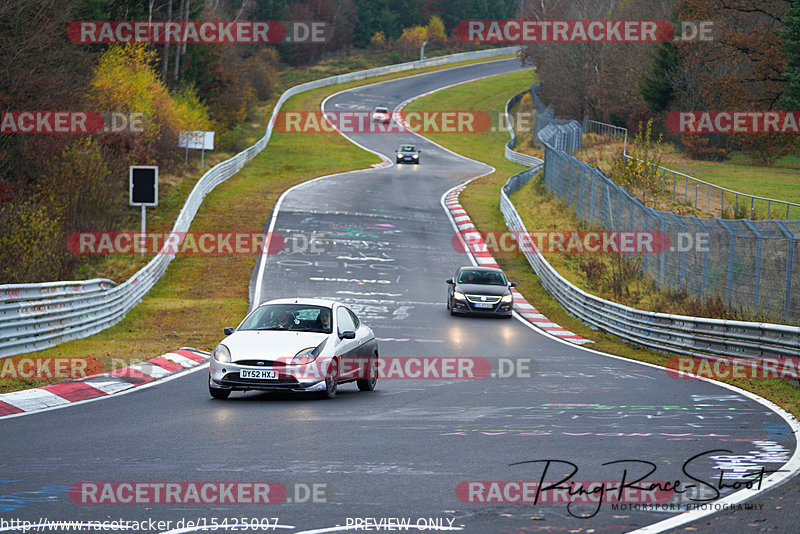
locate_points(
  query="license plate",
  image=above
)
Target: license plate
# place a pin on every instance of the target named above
(483, 305)
(259, 373)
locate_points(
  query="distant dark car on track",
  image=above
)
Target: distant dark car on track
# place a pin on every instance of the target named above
(408, 154)
(480, 290)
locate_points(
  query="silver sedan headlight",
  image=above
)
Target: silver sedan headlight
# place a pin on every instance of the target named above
(458, 295)
(508, 298)
(221, 354)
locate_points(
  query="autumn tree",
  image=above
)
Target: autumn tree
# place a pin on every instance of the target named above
(435, 31)
(742, 68)
(411, 40)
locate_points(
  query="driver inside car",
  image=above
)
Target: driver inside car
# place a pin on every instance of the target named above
(323, 322)
(285, 320)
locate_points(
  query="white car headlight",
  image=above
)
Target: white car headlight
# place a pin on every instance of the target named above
(221, 354)
(459, 296)
(415, 156)
(508, 298)
(308, 355)
(304, 356)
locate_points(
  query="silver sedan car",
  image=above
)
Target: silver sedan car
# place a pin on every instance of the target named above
(297, 344)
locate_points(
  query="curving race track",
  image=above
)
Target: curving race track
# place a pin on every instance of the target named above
(402, 450)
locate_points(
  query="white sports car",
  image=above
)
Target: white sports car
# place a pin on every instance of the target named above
(297, 344)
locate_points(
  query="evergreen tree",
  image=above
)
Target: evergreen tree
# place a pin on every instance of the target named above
(657, 89)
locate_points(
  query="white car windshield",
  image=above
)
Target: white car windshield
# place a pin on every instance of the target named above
(295, 317)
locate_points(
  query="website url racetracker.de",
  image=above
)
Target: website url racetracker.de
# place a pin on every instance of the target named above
(204, 524)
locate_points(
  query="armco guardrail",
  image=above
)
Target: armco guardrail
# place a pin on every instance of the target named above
(37, 316)
(691, 336)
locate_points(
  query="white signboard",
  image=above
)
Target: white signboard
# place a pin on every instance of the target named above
(197, 139)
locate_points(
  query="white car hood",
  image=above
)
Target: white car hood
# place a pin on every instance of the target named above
(269, 344)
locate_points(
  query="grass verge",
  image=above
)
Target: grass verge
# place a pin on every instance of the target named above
(481, 199)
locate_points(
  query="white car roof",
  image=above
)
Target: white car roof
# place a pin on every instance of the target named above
(302, 300)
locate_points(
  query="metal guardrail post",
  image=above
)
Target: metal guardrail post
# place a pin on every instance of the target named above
(610, 213)
(569, 188)
(704, 279)
(709, 199)
(731, 250)
(682, 228)
(580, 193)
(662, 257)
(686, 191)
(645, 259)
(674, 181)
(789, 267)
(757, 280)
